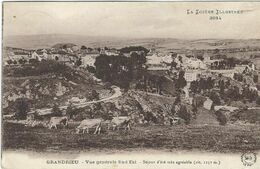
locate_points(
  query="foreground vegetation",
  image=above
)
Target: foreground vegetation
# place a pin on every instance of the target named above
(231, 138)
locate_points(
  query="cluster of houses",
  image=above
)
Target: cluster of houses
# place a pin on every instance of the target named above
(16, 56)
(192, 65)
(155, 61)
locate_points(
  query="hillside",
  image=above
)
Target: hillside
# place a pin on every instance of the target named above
(48, 40)
(43, 89)
(62, 45)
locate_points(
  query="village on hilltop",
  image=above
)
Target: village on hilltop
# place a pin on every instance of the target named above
(143, 86)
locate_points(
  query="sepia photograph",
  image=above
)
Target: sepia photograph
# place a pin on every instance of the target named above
(130, 85)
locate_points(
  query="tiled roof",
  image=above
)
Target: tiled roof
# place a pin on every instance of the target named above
(39, 52)
(21, 53)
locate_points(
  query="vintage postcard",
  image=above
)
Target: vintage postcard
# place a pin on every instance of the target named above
(130, 85)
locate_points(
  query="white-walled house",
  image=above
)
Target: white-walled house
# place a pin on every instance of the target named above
(19, 55)
(111, 52)
(39, 55)
(189, 62)
(193, 63)
(89, 59)
(167, 59)
(191, 75)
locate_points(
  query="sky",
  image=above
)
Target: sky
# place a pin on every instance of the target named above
(133, 20)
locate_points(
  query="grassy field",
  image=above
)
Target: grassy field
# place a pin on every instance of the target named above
(231, 138)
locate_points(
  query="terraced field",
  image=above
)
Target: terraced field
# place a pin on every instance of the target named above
(230, 138)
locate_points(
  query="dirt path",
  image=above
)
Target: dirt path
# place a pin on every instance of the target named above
(117, 93)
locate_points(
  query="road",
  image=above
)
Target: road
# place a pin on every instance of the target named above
(117, 93)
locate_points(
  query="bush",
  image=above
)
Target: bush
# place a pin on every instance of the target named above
(9, 62)
(21, 108)
(14, 62)
(91, 69)
(80, 117)
(255, 78)
(221, 117)
(215, 98)
(56, 111)
(198, 101)
(33, 61)
(71, 111)
(133, 48)
(184, 114)
(258, 100)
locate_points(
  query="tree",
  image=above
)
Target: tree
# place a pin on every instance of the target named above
(33, 61)
(177, 100)
(215, 98)
(221, 117)
(194, 109)
(137, 60)
(102, 65)
(134, 48)
(203, 85)
(184, 114)
(71, 111)
(181, 82)
(200, 57)
(78, 62)
(14, 62)
(20, 61)
(21, 108)
(255, 78)
(231, 62)
(91, 69)
(222, 86)
(64, 46)
(9, 62)
(180, 59)
(252, 95)
(216, 51)
(210, 83)
(83, 47)
(194, 86)
(117, 70)
(98, 49)
(95, 95)
(173, 64)
(56, 111)
(258, 100)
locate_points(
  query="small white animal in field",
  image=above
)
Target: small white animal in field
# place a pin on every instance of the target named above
(54, 121)
(121, 121)
(89, 123)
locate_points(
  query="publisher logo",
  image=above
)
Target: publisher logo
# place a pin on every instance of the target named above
(248, 159)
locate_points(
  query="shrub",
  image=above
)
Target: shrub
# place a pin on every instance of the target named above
(221, 117)
(21, 108)
(33, 61)
(71, 111)
(56, 111)
(255, 78)
(215, 98)
(81, 116)
(258, 100)
(184, 114)
(91, 69)
(9, 62)
(133, 48)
